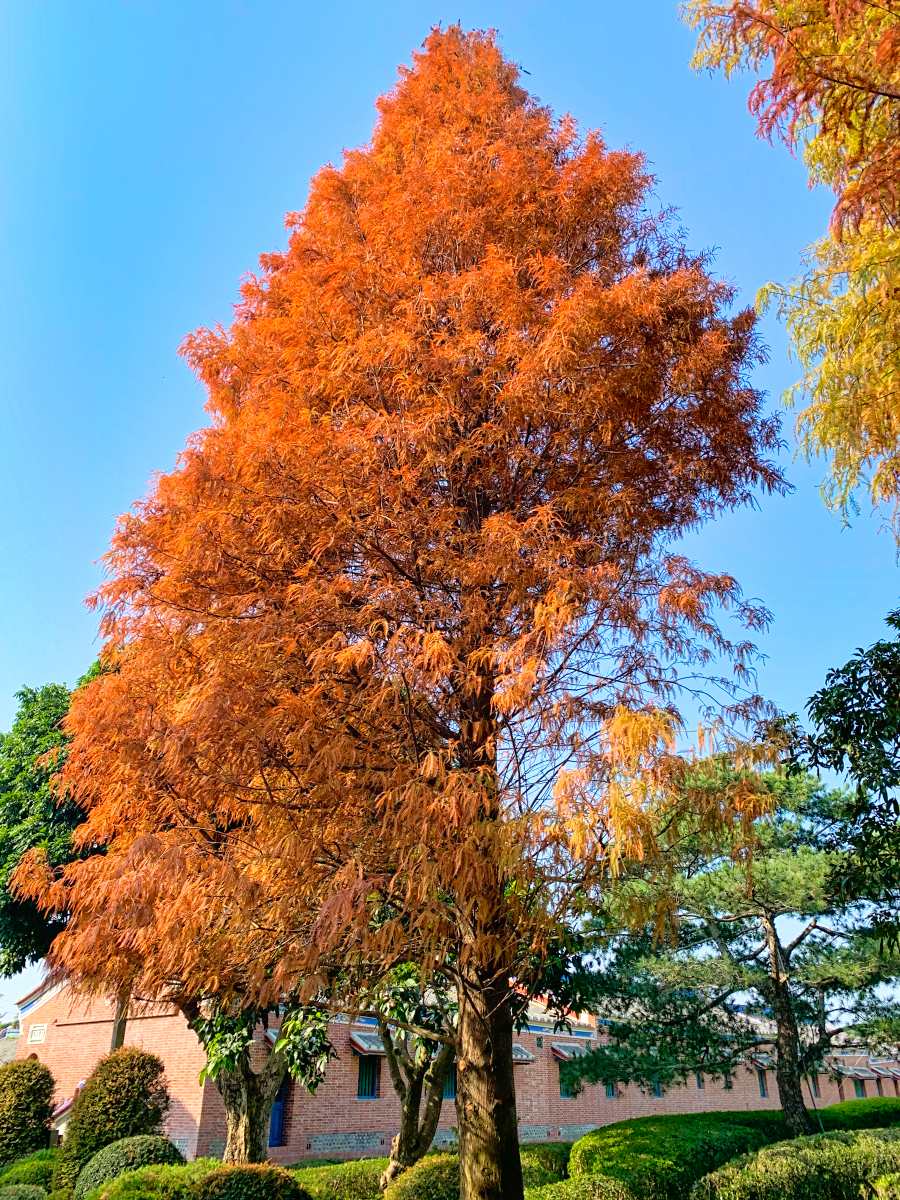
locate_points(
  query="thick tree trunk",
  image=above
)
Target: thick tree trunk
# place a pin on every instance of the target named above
(489, 1165)
(247, 1098)
(787, 1038)
(418, 1125)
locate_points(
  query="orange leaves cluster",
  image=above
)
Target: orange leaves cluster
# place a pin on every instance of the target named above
(394, 643)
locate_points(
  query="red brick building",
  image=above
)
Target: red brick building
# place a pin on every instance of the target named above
(356, 1111)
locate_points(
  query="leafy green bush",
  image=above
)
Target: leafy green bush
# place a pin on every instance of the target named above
(26, 1102)
(886, 1188)
(356, 1180)
(36, 1169)
(125, 1155)
(258, 1182)
(434, 1177)
(22, 1191)
(661, 1157)
(125, 1096)
(584, 1187)
(879, 1112)
(544, 1163)
(827, 1166)
(157, 1182)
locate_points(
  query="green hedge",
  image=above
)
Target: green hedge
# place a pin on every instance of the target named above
(887, 1187)
(157, 1182)
(127, 1154)
(356, 1180)
(659, 1158)
(828, 1166)
(26, 1102)
(584, 1187)
(258, 1182)
(434, 1177)
(544, 1163)
(125, 1096)
(879, 1112)
(22, 1191)
(36, 1169)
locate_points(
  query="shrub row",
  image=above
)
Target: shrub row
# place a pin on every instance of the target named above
(204, 1179)
(828, 1166)
(128, 1154)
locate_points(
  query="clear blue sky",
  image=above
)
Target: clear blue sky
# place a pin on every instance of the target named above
(148, 152)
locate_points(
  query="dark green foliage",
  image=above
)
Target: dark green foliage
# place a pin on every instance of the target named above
(876, 1113)
(157, 1182)
(35, 1168)
(125, 1155)
(347, 1181)
(257, 1182)
(584, 1187)
(434, 1177)
(828, 1166)
(659, 1158)
(544, 1163)
(125, 1096)
(22, 1191)
(26, 1102)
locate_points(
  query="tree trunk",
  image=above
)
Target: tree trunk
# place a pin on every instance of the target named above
(247, 1098)
(489, 1165)
(417, 1125)
(787, 1038)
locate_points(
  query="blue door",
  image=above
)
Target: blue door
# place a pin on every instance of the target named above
(276, 1122)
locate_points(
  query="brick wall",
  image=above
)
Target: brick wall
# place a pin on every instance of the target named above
(336, 1122)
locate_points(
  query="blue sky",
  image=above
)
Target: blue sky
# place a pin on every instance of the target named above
(148, 152)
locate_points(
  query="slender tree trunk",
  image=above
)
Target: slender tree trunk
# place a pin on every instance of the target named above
(489, 1165)
(787, 1037)
(418, 1125)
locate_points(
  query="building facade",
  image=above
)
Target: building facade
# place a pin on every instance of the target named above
(356, 1112)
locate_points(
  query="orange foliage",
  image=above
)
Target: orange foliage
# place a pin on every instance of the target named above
(398, 647)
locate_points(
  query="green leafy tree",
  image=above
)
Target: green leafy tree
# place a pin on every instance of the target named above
(760, 919)
(33, 815)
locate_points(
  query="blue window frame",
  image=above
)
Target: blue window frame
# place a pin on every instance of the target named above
(369, 1077)
(276, 1120)
(450, 1083)
(611, 1091)
(728, 1081)
(565, 1089)
(657, 1088)
(699, 1081)
(763, 1085)
(860, 1087)
(814, 1085)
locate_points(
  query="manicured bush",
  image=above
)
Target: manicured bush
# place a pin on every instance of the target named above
(26, 1102)
(35, 1168)
(584, 1187)
(886, 1188)
(879, 1112)
(828, 1166)
(545, 1163)
(157, 1182)
(124, 1097)
(258, 1182)
(659, 1158)
(22, 1191)
(128, 1154)
(434, 1177)
(356, 1180)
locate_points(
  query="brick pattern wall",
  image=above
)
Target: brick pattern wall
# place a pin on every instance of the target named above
(336, 1122)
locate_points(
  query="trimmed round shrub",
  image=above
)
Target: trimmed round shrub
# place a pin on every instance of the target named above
(124, 1097)
(345, 1181)
(26, 1102)
(827, 1166)
(257, 1182)
(36, 1169)
(659, 1158)
(125, 1155)
(22, 1191)
(584, 1187)
(544, 1163)
(434, 1177)
(157, 1182)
